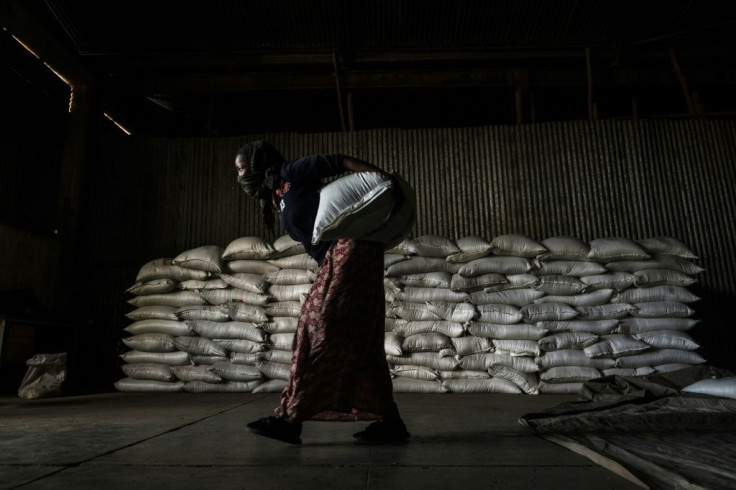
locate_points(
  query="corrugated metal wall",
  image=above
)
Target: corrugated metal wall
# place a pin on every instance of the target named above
(159, 197)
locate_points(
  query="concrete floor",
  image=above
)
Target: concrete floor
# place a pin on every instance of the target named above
(138, 441)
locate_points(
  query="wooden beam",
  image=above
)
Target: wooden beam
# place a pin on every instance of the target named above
(683, 83)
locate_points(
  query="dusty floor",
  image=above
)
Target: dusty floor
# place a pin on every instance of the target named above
(180, 440)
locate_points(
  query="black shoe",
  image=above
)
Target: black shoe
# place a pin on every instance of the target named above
(381, 431)
(278, 429)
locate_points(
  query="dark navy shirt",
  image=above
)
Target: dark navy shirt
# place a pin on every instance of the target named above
(299, 200)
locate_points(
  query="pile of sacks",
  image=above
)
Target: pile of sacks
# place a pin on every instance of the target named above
(510, 315)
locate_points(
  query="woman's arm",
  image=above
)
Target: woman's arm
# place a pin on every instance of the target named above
(356, 165)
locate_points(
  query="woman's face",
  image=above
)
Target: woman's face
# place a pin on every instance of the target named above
(240, 165)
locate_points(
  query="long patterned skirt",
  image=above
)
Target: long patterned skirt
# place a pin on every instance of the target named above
(338, 363)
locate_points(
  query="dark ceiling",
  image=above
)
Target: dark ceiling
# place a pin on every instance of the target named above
(217, 68)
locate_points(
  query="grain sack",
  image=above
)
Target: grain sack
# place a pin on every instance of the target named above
(249, 266)
(194, 285)
(639, 325)
(227, 330)
(613, 249)
(721, 387)
(156, 286)
(428, 280)
(195, 373)
(569, 374)
(232, 295)
(656, 309)
(288, 293)
(199, 312)
(448, 352)
(668, 262)
(241, 312)
(516, 245)
(147, 386)
(668, 368)
(434, 246)
(655, 357)
(170, 358)
(476, 283)
(484, 361)
(224, 387)
(515, 297)
(617, 281)
(410, 385)
(423, 295)
(419, 265)
(274, 370)
(285, 246)
(528, 383)
(517, 331)
(568, 268)
(271, 386)
(170, 327)
(546, 388)
(572, 357)
(394, 324)
(463, 374)
(667, 339)
(609, 311)
(656, 293)
(199, 346)
(163, 269)
(151, 342)
(416, 372)
(392, 344)
(236, 372)
(598, 327)
(280, 356)
(148, 370)
(642, 371)
(516, 347)
(153, 313)
(405, 247)
(391, 259)
(547, 311)
(240, 345)
(353, 206)
(615, 345)
(666, 246)
(450, 329)
(299, 261)
(280, 324)
(249, 359)
(207, 258)
(179, 298)
(453, 312)
(468, 345)
(471, 248)
(281, 341)
(560, 285)
(248, 248)
(208, 360)
(246, 281)
(499, 313)
(412, 311)
(564, 248)
(474, 385)
(496, 265)
(595, 298)
(290, 277)
(662, 277)
(427, 359)
(426, 342)
(514, 281)
(567, 340)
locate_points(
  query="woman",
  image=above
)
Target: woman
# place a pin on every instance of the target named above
(338, 364)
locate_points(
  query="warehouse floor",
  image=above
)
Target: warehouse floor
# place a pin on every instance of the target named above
(179, 440)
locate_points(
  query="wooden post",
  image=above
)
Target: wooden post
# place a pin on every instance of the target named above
(683, 83)
(339, 92)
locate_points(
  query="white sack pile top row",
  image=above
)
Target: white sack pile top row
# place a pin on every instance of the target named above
(510, 315)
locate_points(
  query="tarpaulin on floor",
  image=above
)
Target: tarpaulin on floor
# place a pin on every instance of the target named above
(645, 429)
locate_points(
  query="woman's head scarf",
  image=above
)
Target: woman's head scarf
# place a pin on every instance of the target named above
(263, 163)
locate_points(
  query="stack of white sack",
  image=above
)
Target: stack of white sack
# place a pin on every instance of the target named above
(515, 315)
(214, 319)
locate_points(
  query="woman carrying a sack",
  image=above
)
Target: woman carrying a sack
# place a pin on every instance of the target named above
(338, 364)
